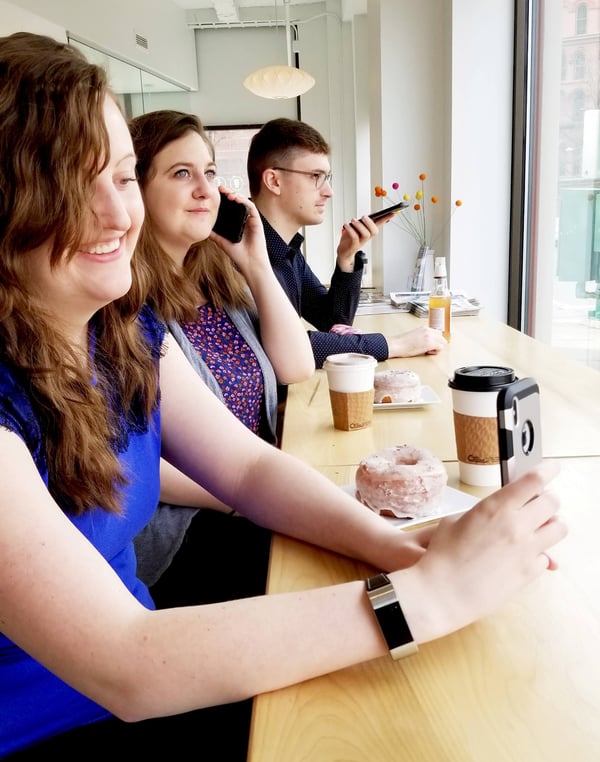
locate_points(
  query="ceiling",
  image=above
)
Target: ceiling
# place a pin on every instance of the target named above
(227, 10)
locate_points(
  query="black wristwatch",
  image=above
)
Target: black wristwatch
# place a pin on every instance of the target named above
(390, 617)
(360, 260)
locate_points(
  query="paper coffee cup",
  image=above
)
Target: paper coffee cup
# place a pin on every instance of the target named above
(350, 378)
(474, 395)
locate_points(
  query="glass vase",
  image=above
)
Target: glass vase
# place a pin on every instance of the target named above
(421, 276)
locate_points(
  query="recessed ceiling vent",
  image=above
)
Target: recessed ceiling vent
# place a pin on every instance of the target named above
(141, 41)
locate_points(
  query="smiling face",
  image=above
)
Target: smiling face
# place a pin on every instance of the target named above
(100, 270)
(181, 196)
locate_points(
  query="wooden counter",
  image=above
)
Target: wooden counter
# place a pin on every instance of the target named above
(522, 685)
(569, 397)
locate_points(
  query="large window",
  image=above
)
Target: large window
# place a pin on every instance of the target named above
(559, 298)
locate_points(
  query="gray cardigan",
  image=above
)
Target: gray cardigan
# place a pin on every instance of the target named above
(159, 541)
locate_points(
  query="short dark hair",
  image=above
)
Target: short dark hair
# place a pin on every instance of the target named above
(276, 143)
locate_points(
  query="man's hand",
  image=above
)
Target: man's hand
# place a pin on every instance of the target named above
(355, 234)
(420, 341)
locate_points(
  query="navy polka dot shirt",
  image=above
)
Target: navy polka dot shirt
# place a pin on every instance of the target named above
(319, 306)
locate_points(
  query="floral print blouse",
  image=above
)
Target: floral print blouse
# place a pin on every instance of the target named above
(231, 361)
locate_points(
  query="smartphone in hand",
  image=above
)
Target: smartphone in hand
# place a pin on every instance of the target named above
(388, 210)
(519, 428)
(231, 219)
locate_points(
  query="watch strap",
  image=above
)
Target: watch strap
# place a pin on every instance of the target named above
(360, 260)
(391, 619)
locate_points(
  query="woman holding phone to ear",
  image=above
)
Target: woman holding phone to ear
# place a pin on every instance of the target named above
(231, 318)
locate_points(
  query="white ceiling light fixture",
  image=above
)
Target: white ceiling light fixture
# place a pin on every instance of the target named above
(280, 81)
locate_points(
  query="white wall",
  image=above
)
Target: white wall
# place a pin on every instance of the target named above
(446, 104)
(481, 130)
(14, 19)
(415, 82)
(224, 58)
(113, 25)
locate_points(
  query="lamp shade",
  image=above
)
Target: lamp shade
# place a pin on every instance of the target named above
(279, 82)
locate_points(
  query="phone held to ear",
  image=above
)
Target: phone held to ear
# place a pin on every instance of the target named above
(388, 210)
(519, 429)
(231, 219)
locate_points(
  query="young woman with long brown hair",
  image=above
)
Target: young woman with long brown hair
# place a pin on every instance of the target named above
(236, 326)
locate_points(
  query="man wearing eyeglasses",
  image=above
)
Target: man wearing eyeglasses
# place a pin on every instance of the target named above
(291, 183)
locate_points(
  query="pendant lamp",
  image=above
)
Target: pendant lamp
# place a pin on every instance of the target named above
(280, 81)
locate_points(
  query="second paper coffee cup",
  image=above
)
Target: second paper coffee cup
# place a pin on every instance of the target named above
(350, 377)
(474, 396)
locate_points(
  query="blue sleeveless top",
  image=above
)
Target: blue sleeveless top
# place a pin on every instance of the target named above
(34, 704)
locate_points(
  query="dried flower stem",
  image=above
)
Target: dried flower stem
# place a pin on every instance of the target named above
(414, 220)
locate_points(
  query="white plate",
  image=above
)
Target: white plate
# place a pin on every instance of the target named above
(454, 501)
(428, 397)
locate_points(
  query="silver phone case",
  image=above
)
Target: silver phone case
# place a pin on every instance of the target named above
(519, 428)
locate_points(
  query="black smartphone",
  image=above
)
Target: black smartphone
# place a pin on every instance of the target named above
(231, 219)
(388, 210)
(519, 428)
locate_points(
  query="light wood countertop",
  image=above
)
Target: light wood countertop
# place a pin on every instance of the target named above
(522, 685)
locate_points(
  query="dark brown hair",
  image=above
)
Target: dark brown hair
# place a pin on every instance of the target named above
(53, 145)
(206, 268)
(278, 142)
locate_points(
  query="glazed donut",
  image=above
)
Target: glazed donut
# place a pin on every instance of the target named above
(397, 386)
(401, 481)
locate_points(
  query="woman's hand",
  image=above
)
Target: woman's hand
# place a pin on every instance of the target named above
(473, 564)
(282, 332)
(250, 254)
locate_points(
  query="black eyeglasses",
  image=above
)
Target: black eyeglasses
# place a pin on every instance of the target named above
(320, 178)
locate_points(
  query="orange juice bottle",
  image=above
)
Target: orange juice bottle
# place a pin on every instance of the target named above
(440, 300)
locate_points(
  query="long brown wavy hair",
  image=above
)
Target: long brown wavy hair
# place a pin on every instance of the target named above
(206, 267)
(53, 144)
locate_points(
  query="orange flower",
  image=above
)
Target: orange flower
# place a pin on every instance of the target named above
(414, 221)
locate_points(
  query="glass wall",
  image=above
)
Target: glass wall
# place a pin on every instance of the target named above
(562, 299)
(139, 91)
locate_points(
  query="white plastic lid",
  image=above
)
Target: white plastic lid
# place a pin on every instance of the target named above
(440, 267)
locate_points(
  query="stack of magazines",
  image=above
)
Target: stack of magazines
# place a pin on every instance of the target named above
(417, 302)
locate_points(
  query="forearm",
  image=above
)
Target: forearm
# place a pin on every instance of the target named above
(283, 334)
(327, 343)
(310, 633)
(344, 295)
(178, 489)
(259, 480)
(287, 496)
(142, 663)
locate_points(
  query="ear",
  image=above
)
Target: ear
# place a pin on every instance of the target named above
(270, 181)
